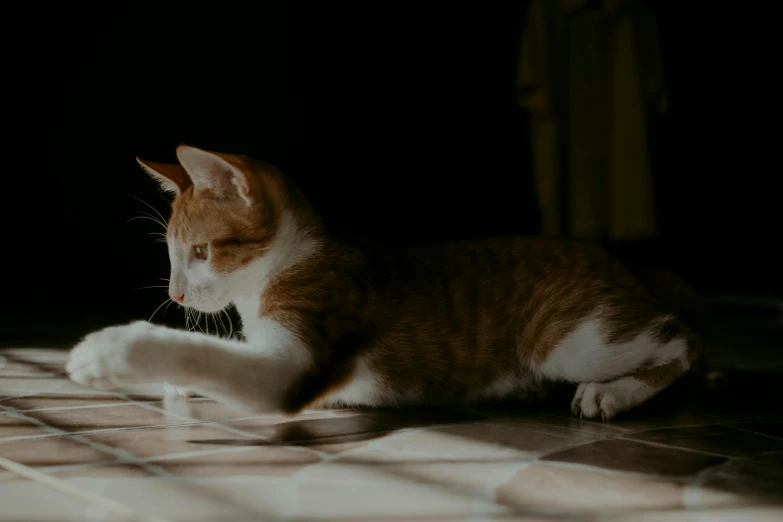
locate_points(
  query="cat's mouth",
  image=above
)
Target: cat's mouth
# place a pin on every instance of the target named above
(208, 303)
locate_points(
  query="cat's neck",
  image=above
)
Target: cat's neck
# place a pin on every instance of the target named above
(293, 244)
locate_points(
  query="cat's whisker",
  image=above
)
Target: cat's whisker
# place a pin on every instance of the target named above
(161, 196)
(167, 307)
(214, 321)
(146, 216)
(219, 319)
(160, 235)
(158, 308)
(158, 220)
(153, 286)
(197, 321)
(219, 315)
(222, 324)
(155, 219)
(230, 324)
(188, 320)
(150, 206)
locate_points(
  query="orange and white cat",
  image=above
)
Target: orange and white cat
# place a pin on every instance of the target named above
(336, 322)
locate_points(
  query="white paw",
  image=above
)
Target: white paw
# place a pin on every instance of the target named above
(115, 356)
(177, 391)
(596, 399)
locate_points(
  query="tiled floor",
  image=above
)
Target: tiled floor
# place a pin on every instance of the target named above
(687, 456)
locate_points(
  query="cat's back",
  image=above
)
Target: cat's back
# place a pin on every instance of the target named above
(453, 280)
(487, 293)
(499, 267)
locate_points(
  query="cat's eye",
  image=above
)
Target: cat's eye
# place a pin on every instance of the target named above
(200, 252)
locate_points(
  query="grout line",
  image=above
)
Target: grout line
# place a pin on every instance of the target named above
(132, 402)
(564, 435)
(670, 446)
(288, 502)
(287, 507)
(635, 431)
(328, 457)
(64, 433)
(538, 459)
(610, 471)
(540, 423)
(122, 456)
(198, 453)
(222, 427)
(48, 389)
(754, 432)
(482, 494)
(83, 407)
(625, 434)
(17, 375)
(84, 495)
(75, 467)
(37, 364)
(146, 460)
(605, 425)
(622, 434)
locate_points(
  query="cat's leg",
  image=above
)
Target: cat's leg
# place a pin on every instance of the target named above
(248, 377)
(607, 399)
(615, 377)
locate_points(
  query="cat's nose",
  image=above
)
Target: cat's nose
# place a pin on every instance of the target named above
(177, 298)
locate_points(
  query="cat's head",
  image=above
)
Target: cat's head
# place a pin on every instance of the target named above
(230, 215)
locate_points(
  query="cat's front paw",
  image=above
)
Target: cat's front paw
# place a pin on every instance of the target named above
(598, 399)
(115, 356)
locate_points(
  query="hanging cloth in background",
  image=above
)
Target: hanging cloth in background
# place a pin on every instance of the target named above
(589, 74)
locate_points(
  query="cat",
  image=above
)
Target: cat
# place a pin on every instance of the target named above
(332, 322)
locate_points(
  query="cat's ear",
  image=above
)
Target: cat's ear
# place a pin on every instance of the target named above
(224, 174)
(172, 178)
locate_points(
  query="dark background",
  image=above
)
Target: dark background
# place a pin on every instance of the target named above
(399, 122)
